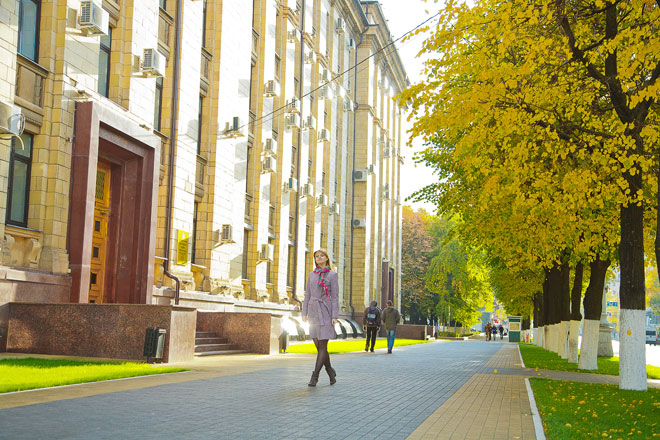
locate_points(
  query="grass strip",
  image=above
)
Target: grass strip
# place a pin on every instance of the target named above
(538, 357)
(577, 410)
(348, 346)
(30, 373)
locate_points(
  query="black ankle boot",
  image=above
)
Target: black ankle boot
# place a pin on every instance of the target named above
(332, 374)
(314, 380)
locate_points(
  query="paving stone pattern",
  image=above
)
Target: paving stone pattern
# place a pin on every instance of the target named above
(376, 396)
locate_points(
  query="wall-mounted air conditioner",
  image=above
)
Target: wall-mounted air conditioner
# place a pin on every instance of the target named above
(293, 36)
(340, 92)
(266, 252)
(386, 192)
(310, 57)
(11, 119)
(334, 208)
(93, 19)
(386, 152)
(227, 234)
(360, 175)
(270, 147)
(268, 165)
(326, 76)
(291, 185)
(326, 92)
(272, 88)
(322, 200)
(359, 223)
(153, 63)
(293, 106)
(323, 135)
(340, 25)
(292, 120)
(382, 138)
(309, 123)
(371, 169)
(348, 105)
(308, 190)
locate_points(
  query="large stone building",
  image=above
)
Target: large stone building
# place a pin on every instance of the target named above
(212, 145)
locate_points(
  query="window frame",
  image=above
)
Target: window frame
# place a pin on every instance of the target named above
(36, 31)
(10, 183)
(105, 50)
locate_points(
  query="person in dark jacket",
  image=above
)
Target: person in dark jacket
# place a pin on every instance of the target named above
(321, 309)
(501, 330)
(371, 323)
(391, 318)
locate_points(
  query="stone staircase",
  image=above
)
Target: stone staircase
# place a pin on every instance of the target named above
(211, 344)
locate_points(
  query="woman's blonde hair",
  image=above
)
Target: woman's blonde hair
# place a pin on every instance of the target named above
(324, 252)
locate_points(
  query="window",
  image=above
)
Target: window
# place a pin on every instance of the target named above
(28, 28)
(200, 116)
(269, 265)
(104, 63)
(18, 192)
(193, 238)
(246, 240)
(294, 157)
(203, 22)
(158, 103)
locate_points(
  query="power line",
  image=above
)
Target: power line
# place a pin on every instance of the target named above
(275, 112)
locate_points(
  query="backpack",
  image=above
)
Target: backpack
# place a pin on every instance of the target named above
(372, 316)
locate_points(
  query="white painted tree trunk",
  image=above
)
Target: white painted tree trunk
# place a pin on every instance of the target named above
(546, 336)
(589, 349)
(535, 335)
(563, 339)
(632, 350)
(573, 340)
(538, 339)
(554, 338)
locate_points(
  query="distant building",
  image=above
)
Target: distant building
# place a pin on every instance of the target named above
(219, 142)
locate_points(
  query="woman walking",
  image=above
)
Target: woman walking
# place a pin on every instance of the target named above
(321, 308)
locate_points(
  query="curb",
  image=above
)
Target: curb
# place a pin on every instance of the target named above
(538, 424)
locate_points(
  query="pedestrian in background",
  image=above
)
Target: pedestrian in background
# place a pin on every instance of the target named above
(391, 318)
(501, 330)
(487, 331)
(371, 323)
(321, 309)
(494, 331)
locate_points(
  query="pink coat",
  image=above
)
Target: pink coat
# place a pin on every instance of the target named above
(319, 308)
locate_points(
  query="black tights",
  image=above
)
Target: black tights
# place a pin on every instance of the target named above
(322, 357)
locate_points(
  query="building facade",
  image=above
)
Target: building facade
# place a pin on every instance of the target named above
(198, 152)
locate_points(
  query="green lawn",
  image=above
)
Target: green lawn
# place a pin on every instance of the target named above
(30, 373)
(350, 345)
(575, 410)
(538, 357)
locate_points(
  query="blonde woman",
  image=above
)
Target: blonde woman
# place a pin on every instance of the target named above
(321, 309)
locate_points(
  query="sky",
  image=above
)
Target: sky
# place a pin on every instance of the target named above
(403, 16)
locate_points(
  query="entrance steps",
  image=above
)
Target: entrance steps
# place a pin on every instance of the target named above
(211, 344)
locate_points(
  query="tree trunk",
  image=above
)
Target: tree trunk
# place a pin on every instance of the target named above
(564, 310)
(545, 336)
(538, 318)
(576, 317)
(593, 305)
(554, 293)
(632, 350)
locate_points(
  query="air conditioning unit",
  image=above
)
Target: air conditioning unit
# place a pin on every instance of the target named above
(308, 190)
(310, 57)
(326, 76)
(227, 234)
(334, 208)
(395, 152)
(323, 135)
(322, 200)
(268, 165)
(325, 92)
(153, 63)
(266, 252)
(12, 121)
(340, 25)
(292, 120)
(348, 105)
(382, 138)
(272, 88)
(234, 128)
(309, 123)
(359, 223)
(93, 18)
(340, 92)
(371, 169)
(293, 106)
(360, 176)
(386, 192)
(270, 147)
(397, 199)
(386, 152)
(293, 36)
(291, 185)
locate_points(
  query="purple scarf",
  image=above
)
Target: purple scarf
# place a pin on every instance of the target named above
(322, 272)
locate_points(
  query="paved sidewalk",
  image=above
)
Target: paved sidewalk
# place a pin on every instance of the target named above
(441, 390)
